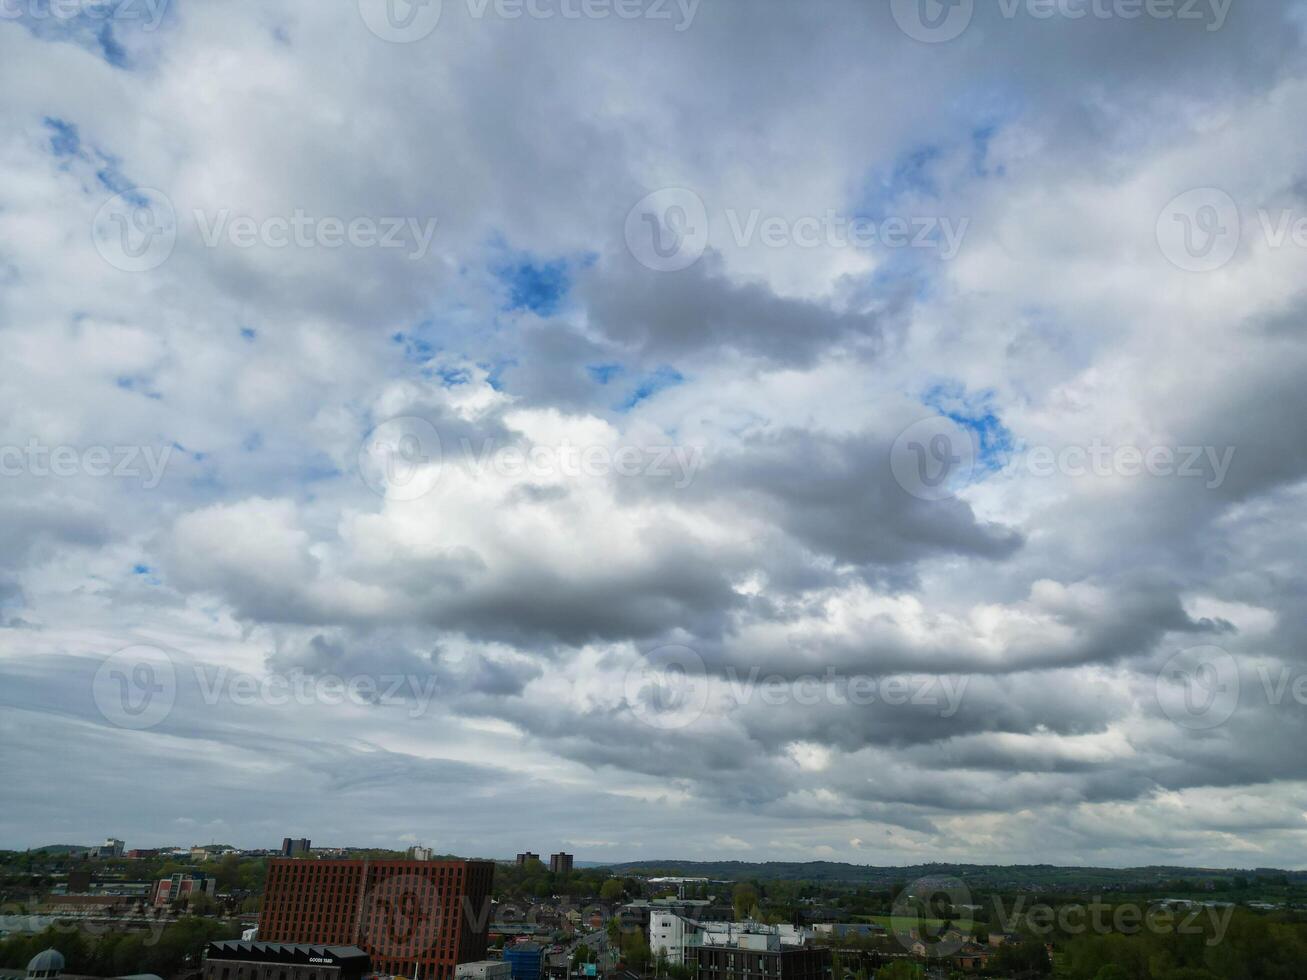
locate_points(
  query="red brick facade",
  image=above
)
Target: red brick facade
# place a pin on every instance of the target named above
(414, 918)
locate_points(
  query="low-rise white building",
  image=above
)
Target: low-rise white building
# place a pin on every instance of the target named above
(669, 934)
(483, 970)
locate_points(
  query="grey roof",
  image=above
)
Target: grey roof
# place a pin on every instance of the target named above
(46, 961)
(231, 949)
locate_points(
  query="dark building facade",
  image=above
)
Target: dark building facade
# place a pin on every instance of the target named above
(737, 963)
(560, 863)
(413, 918)
(526, 857)
(234, 959)
(295, 846)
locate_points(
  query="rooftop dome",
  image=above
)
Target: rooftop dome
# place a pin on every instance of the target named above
(47, 963)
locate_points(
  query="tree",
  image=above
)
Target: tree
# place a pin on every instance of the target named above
(1027, 956)
(611, 890)
(635, 951)
(660, 963)
(745, 899)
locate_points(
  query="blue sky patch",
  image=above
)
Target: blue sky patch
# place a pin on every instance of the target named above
(975, 413)
(662, 379)
(534, 285)
(416, 350)
(113, 52)
(64, 139)
(450, 377)
(603, 373)
(980, 141)
(145, 572)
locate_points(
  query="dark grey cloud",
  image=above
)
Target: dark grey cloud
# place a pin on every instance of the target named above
(837, 496)
(700, 309)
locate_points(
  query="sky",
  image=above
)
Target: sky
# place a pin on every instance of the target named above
(655, 428)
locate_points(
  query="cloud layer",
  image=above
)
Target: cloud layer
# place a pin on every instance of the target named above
(354, 373)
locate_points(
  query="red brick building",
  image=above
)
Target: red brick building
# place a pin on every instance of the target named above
(414, 918)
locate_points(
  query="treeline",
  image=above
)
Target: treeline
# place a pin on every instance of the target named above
(1252, 948)
(114, 954)
(535, 880)
(234, 873)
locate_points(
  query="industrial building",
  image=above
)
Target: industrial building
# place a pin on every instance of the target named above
(755, 956)
(234, 959)
(416, 919)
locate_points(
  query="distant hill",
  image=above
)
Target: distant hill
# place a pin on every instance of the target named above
(61, 848)
(1034, 875)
